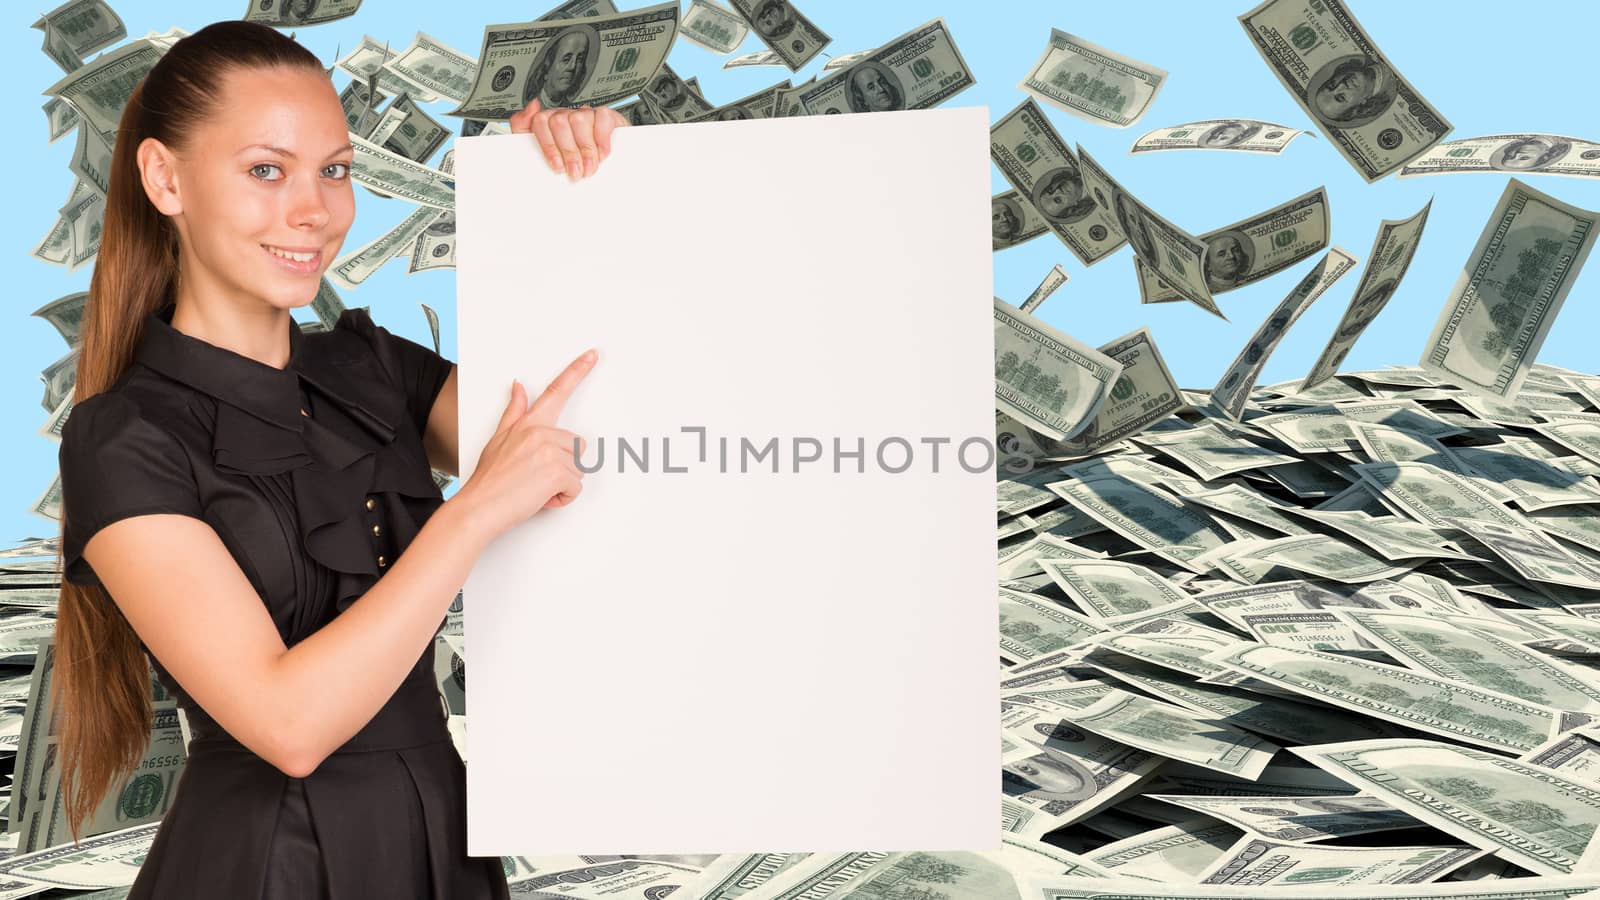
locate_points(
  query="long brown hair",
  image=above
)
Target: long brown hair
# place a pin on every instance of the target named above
(102, 678)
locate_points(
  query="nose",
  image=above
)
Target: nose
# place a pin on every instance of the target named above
(308, 207)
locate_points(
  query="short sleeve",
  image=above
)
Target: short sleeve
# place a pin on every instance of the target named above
(418, 370)
(114, 464)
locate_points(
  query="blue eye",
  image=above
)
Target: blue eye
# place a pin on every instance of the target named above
(262, 166)
(345, 166)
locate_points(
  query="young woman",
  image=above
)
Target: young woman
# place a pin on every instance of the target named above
(253, 508)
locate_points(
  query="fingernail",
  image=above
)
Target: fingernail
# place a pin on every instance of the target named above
(589, 355)
(573, 170)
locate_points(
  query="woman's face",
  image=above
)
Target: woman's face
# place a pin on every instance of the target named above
(270, 170)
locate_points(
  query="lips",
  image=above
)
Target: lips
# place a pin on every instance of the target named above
(298, 266)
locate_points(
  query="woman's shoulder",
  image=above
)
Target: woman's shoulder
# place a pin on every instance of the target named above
(139, 400)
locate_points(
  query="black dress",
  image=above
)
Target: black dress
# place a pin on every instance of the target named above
(315, 478)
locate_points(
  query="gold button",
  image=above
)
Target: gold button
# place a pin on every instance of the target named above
(382, 561)
(371, 503)
(376, 531)
(304, 413)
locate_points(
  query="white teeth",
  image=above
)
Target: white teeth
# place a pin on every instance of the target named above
(297, 257)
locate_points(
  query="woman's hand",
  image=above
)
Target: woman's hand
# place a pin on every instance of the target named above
(573, 140)
(529, 464)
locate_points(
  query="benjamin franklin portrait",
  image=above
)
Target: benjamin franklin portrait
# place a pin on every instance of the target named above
(1059, 196)
(1050, 774)
(1228, 134)
(1351, 91)
(773, 19)
(731, 114)
(1227, 260)
(297, 12)
(1366, 307)
(1528, 154)
(640, 113)
(1007, 218)
(873, 88)
(667, 93)
(562, 68)
(1133, 228)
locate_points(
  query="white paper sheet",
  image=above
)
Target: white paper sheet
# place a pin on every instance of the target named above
(710, 660)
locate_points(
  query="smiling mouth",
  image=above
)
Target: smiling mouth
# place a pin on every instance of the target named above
(296, 261)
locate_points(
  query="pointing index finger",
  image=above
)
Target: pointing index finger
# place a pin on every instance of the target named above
(548, 406)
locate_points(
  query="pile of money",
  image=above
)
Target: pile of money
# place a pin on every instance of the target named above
(1332, 637)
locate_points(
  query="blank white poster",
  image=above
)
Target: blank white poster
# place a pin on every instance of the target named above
(768, 621)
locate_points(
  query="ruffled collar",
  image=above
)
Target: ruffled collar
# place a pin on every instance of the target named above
(359, 441)
(259, 427)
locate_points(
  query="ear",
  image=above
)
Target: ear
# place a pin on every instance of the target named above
(158, 173)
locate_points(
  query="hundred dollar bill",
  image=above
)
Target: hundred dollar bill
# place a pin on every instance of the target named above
(760, 105)
(713, 26)
(1144, 393)
(435, 247)
(1428, 644)
(1509, 292)
(1066, 887)
(80, 27)
(1233, 390)
(1041, 627)
(1262, 862)
(1111, 588)
(1293, 721)
(1575, 754)
(1048, 182)
(100, 89)
(1045, 378)
(1330, 66)
(1298, 819)
(366, 63)
(1174, 254)
(1251, 249)
(579, 9)
(1015, 220)
(1149, 516)
(435, 66)
(299, 13)
(1091, 82)
(782, 27)
(400, 177)
(1425, 702)
(361, 101)
(1534, 154)
(1053, 280)
(1061, 775)
(1391, 255)
(569, 62)
(1528, 551)
(355, 267)
(1526, 814)
(1175, 733)
(1244, 135)
(917, 70)
(63, 118)
(1212, 453)
(671, 99)
(844, 59)
(1173, 854)
(406, 131)
(758, 58)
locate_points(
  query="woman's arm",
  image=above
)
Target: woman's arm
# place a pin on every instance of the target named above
(442, 440)
(198, 614)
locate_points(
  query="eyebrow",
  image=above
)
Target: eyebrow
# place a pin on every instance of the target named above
(281, 151)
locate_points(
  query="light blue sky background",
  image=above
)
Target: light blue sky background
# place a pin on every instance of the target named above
(1488, 67)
